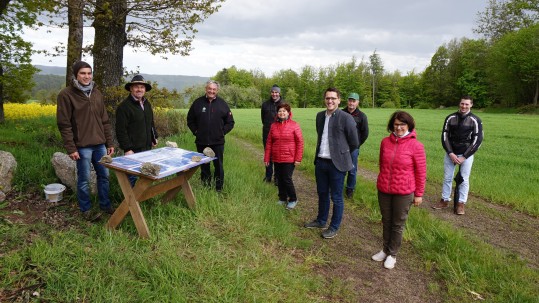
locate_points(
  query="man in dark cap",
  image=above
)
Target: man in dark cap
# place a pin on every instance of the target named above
(362, 126)
(135, 128)
(87, 135)
(267, 114)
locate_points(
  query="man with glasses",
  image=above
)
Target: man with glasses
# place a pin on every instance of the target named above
(210, 119)
(337, 137)
(462, 136)
(362, 126)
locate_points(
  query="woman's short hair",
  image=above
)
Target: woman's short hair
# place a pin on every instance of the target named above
(285, 106)
(402, 116)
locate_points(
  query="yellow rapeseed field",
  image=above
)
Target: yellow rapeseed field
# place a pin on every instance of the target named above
(17, 111)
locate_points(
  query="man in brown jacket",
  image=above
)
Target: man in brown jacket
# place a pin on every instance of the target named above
(86, 132)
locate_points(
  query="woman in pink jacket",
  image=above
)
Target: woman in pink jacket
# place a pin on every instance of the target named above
(284, 147)
(401, 182)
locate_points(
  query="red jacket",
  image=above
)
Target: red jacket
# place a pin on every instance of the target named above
(285, 142)
(403, 166)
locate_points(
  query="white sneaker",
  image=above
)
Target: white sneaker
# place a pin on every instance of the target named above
(390, 261)
(379, 257)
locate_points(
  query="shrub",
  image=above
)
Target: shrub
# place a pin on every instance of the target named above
(169, 122)
(528, 109)
(388, 104)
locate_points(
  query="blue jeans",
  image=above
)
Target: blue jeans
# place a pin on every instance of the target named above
(92, 155)
(449, 171)
(352, 174)
(329, 181)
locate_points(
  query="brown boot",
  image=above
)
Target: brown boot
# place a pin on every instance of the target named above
(441, 205)
(460, 208)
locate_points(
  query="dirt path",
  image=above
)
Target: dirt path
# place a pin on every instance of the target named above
(348, 254)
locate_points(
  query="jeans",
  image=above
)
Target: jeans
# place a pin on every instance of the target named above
(283, 173)
(449, 171)
(92, 155)
(219, 174)
(329, 181)
(352, 174)
(394, 210)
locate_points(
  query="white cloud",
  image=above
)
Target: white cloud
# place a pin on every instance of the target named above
(282, 34)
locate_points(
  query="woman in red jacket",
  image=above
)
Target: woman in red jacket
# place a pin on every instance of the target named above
(401, 182)
(284, 147)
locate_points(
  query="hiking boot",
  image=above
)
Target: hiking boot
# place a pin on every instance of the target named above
(460, 208)
(329, 233)
(390, 261)
(91, 216)
(109, 211)
(313, 224)
(380, 256)
(291, 205)
(441, 205)
(349, 193)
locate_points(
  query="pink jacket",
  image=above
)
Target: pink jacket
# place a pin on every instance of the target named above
(285, 142)
(403, 166)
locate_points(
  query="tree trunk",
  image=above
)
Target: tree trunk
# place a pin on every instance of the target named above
(2, 117)
(110, 39)
(536, 93)
(74, 40)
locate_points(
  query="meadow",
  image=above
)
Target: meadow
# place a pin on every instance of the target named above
(242, 247)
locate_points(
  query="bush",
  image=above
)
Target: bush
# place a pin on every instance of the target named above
(423, 105)
(169, 122)
(528, 109)
(388, 104)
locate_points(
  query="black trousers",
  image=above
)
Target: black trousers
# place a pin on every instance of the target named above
(283, 173)
(219, 174)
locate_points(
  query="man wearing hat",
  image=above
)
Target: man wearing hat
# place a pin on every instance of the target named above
(268, 113)
(362, 126)
(87, 135)
(135, 128)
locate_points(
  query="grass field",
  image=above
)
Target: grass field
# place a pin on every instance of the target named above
(505, 169)
(239, 248)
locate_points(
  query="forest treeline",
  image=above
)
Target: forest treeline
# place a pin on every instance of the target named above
(500, 69)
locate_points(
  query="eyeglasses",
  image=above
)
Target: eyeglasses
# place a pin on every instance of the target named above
(397, 125)
(331, 98)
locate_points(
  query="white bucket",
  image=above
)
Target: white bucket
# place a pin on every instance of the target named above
(53, 192)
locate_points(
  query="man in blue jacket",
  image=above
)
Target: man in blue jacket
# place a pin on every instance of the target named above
(337, 137)
(210, 119)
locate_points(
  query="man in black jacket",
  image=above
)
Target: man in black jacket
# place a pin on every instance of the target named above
(267, 114)
(210, 119)
(135, 128)
(362, 126)
(462, 136)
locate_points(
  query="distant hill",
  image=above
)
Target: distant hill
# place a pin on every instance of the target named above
(178, 82)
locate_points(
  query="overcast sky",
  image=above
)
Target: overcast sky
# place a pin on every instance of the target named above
(281, 34)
